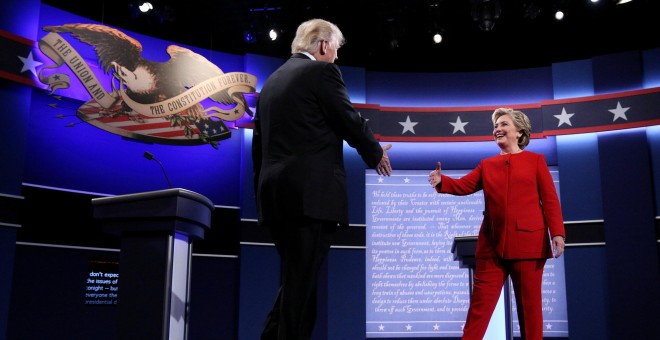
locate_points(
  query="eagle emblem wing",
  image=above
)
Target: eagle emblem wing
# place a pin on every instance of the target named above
(189, 68)
(149, 81)
(111, 45)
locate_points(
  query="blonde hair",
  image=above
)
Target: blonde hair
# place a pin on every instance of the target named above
(520, 120)
(310, 34)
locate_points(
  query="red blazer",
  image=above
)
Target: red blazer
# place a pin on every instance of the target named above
(522, 206)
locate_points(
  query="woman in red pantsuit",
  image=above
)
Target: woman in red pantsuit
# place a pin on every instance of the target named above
(522, 211)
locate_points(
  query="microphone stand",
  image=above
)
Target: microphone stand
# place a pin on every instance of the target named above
(151, 157)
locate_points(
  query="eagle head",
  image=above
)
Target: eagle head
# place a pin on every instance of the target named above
(141, 80)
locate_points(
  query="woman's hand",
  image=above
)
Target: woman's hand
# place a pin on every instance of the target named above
(558, 245)
(434, 176)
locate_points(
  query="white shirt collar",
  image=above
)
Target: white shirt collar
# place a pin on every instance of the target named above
(309, 55)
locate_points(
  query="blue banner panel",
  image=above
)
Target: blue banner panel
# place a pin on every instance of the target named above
(414, 286)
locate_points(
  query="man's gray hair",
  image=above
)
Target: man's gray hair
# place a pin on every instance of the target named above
(310, 34)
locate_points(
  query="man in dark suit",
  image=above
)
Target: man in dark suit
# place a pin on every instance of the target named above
(303, 117)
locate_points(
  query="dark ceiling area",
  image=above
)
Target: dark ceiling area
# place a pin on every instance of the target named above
(396, 35)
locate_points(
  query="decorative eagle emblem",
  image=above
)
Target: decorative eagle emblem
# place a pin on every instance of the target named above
(169, 94)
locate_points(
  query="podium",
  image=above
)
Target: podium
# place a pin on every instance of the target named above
(464, 249)
(156, 231)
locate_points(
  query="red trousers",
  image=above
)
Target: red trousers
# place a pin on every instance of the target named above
(489, 277)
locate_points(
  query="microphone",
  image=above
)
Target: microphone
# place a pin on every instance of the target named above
(148, 155)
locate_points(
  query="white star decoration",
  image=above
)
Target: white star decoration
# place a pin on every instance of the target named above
(380, 179)
(619, 112)
(406, 180)
(564, 117)
(408, 125)
(436, 327)
(381, 327)
(30, 64)
(408, 327)
(212, 131)
(458, 125)
(548, 326)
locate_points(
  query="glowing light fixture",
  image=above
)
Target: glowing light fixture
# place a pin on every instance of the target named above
(437, 38)
(146, 7)
(249, 37)
(485, 13)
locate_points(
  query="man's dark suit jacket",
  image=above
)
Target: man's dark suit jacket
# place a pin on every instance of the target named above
(303, 116)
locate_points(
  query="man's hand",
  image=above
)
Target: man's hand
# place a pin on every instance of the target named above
(384, 168)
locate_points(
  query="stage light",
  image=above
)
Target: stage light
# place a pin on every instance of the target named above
(272, 34)
(249, 37)
(485, 13)
(437, 38)
(394, 43)
(620, 2)
(146, 7)
(559, 15)
(531, 10)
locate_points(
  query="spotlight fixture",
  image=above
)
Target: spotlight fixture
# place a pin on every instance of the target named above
(485, 13)
(559, 15)
(531, 9)
(437, 38)
(393, 32)
(146, 7)
(249, 37)
(272, 34)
